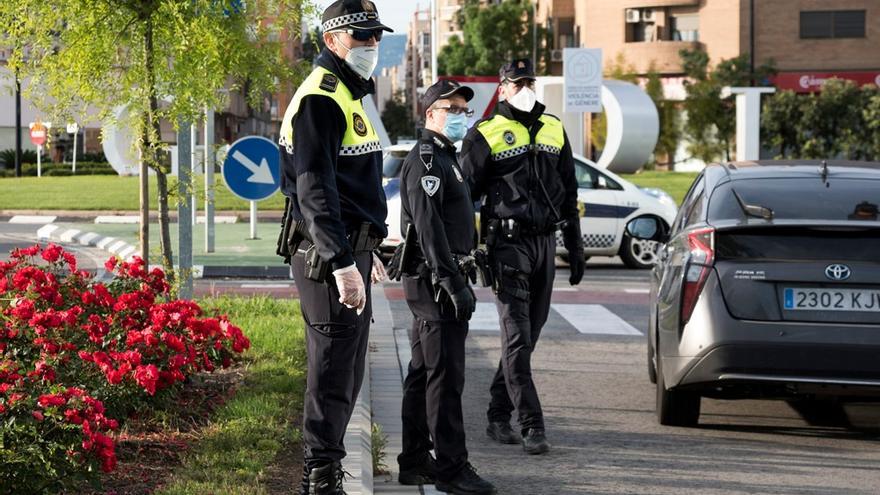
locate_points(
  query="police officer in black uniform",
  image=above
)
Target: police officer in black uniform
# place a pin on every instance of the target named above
(438, 222)
(519, 163)
(332, 175)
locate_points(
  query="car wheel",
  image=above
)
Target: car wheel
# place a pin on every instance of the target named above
(638, 253)
(675, 407)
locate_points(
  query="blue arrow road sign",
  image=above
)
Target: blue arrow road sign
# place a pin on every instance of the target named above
(252, 170)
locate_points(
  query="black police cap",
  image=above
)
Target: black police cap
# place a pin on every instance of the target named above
(517, 69)
(359, 14)
(443, 89)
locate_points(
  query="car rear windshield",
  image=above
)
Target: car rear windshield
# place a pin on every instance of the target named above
(801, 198)
(798, 244)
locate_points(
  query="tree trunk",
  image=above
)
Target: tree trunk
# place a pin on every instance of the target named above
(153, 133)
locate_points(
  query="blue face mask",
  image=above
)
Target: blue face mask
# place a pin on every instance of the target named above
(455, 127)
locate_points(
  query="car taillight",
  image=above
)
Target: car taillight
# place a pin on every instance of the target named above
(701, 243)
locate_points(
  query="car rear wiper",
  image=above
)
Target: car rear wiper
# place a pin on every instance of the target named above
(753, 210)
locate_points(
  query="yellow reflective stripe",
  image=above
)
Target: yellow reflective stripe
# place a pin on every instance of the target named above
(499, 129)
(552, 134)
(503, 134)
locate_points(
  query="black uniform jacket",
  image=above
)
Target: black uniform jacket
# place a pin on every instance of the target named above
(334, 194)
(436, 199)
(510, 185)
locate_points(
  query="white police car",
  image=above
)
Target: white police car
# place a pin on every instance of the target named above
(605, 201)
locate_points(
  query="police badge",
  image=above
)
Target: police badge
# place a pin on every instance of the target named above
(430, 184)
(509, 137)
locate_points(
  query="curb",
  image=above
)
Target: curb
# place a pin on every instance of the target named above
(126, 251)
(51, 232)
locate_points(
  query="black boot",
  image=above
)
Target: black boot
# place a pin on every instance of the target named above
(534, 442)
(422, 474)
(326, 480)
(466, 482)
(501, 432)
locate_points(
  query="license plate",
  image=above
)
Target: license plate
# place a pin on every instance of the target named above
(867, 300)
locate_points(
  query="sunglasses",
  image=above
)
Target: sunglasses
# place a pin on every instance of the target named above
(454, 110)
(364, 34)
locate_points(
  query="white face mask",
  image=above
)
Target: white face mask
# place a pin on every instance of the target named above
(362, 59)
(524, 100)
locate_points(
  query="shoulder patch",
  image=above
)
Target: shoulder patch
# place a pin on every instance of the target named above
(329, 83)
(360, 127)
(509, 137)
(430, 184)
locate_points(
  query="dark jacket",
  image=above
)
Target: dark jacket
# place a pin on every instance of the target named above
(334, 194)
(436, 200)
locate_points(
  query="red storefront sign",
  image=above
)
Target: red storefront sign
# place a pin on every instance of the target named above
(811, 82)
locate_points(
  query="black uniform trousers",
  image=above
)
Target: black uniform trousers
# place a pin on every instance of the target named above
(523, 302)
(434, 383)
(336, 347)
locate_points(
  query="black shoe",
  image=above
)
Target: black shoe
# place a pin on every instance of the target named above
(423, 474)
(501, 432)
(466, 482)
(534, 442)
(327, 480)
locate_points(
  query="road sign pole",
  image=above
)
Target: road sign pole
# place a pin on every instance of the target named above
(184, 226)
(253, 220)
(39, 160)
(209, 181)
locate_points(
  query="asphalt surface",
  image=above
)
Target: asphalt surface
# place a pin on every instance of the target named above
(590, 371)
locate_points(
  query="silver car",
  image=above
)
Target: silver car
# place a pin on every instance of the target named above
(768, 286)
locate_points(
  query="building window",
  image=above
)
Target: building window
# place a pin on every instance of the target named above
(833, 24)
(685, 27)
(566, 33)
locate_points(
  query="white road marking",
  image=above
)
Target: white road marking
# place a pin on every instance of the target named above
(266, 286)
(637, 291)
(594, 319)
(485, 318)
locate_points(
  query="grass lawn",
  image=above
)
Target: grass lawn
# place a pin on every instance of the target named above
(246, 434)
(109, 192)
(674, 183)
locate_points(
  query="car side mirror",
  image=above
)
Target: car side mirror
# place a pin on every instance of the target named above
(648, 229)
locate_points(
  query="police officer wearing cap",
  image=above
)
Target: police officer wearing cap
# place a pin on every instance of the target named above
(437, 218)
(332, 174)
(519, 164)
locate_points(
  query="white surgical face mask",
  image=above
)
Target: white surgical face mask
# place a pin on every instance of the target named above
(362, 59)
(524, 100)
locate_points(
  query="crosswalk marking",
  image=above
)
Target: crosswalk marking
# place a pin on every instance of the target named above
(266, 286)
(637, 291)
(594, 319)
(485, 318)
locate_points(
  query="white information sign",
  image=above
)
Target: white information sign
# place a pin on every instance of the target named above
(582, 71)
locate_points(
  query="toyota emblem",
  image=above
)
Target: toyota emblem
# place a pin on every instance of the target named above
(838, 272)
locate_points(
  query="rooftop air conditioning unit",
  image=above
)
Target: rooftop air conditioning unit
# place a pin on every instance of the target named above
(633, 16)
(556, 56)
(648, 15)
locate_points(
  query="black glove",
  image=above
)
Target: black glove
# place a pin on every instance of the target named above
(393, 266)
(574, 244)
(465, 303)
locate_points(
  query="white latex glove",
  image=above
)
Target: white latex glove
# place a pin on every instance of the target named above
(378, 275)
(352, 292)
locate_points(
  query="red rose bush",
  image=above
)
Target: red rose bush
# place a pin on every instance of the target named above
(77, 356)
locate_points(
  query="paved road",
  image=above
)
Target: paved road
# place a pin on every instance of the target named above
(599, 406)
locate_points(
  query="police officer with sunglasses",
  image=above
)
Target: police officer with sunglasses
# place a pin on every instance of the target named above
(332, 176)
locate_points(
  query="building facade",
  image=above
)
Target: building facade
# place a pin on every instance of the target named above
(807, 40)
